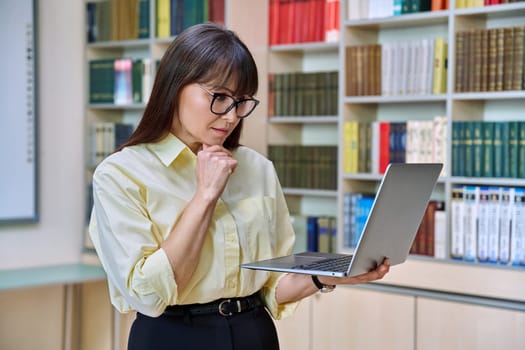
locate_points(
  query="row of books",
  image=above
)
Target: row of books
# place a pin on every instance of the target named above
(308, 167)
(430, 239)
(109, 20)
(364, 9)
(488, 148)
(173, 16)
(368, 147)
(105, 137)
(356, 207)
(314, 233)
(490, 59)
(303, 94)
(120, 80)
(300, 21)
(479, 3)
(413, 67)
(431, 236)
(488, 224)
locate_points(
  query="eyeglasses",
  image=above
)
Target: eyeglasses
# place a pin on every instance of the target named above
(221, 104)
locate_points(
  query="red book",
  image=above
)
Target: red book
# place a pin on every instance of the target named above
(331, 24)
(273, 24)
(216, 11)
(437, 5)
(384, 146)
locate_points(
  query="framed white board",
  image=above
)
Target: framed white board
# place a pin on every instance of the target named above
(18, 111)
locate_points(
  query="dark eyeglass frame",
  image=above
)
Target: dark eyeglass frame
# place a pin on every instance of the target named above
(235, 103)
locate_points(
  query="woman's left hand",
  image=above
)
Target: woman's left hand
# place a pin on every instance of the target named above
(374, 275)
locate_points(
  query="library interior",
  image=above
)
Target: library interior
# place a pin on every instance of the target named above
(346, 87)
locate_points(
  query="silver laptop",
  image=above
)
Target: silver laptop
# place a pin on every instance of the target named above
(389, 231)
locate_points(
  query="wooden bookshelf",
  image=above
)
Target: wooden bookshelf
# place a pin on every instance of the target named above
(446, 277)
(454, 105)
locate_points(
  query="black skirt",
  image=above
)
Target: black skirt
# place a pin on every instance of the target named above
(233, 324)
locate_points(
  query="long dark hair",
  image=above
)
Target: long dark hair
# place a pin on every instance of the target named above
(204, 53)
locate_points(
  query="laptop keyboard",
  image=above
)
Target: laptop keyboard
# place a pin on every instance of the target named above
(339, 264)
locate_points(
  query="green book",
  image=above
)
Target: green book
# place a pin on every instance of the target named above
(487, 169)
(499, 154)
(137, 69)
(477, 147)
(456, 149)
(101, 81)
(513, 148)
(143, 16)
(521, 150)
(468, 137)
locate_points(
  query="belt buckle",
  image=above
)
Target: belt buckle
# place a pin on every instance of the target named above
(222, 303)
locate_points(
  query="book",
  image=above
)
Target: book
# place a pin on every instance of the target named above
(471, 217)
(143, 19)
(483, 224)
(216, 11)
(123, 89)
(333, 228)
(324, 234)
(440, 231)
(521, 150)
(517, 238)
(102, 80)
(163, 20)
(363, 205)
(439, 75)
(487, 149)
(457, 203)
(312, 234)
(513, 155)
(350, 146)
(384, 146)
(493, 223)
(506, 212)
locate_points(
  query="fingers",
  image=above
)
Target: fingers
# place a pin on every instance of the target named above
(220, 156)
(378, 273)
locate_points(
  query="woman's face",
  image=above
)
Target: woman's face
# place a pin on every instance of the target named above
(195, 124)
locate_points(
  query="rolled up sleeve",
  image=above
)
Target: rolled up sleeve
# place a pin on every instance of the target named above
(128, 245)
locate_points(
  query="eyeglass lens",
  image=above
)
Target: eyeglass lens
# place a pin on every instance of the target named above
(222, 104)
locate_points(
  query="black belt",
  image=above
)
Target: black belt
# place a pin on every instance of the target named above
(223, 307)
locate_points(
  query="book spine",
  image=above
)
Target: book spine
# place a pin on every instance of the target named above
(471, 198)
(521, 150)
(457, 244)
(440, 231)
(483, 225)
(493, 223)
(312, 233)
(488, 137)
(513, 148)
(163, 18)
(517, 246)
(506, 212)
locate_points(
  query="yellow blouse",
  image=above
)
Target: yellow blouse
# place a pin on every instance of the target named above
(140, 192)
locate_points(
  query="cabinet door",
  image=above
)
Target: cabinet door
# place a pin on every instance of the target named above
(294, 332)
(450, 325)
(354, 318)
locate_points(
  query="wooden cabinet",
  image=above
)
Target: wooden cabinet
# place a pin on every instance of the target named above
(455, 326)
(375, 319)
(351, 318)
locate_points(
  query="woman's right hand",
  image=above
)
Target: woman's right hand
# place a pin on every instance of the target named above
(215, 165)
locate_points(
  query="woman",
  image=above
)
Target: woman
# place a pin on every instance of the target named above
(181, 205)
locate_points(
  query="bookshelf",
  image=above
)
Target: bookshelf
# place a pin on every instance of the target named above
(411, 105)
(444, 277)
(455, 106)
(115, 99)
